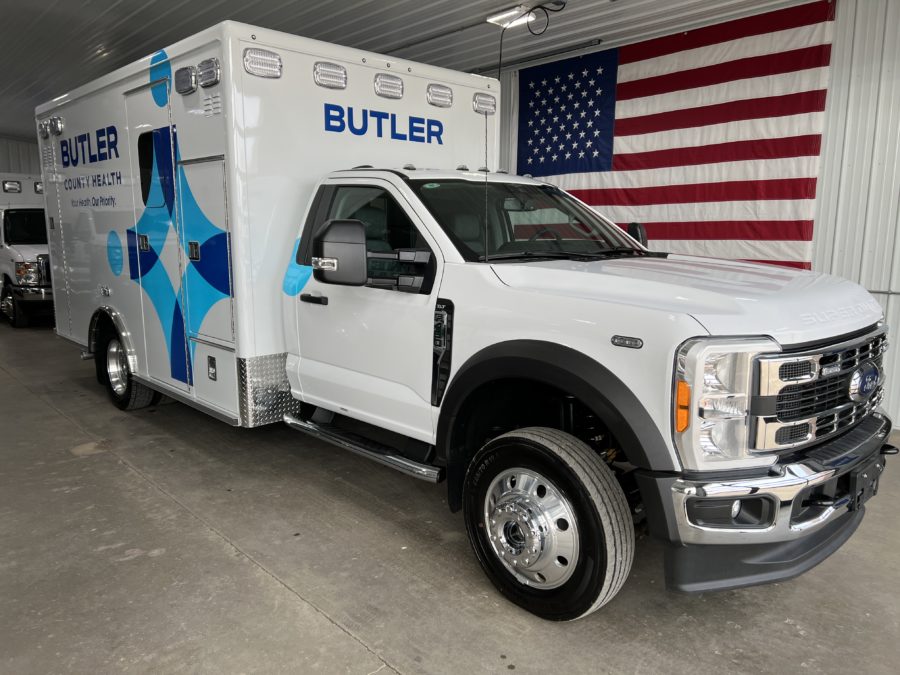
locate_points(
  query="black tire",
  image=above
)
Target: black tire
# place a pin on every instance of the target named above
(127, 394)
(17, 318)
(578, 479)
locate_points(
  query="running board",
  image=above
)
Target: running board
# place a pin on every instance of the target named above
(366, 448)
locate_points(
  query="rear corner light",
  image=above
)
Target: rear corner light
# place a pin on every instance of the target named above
(388, 86)
(12, 186)
(262, 63)
(44, 129)
(56, 125)
(186, 80)
(39, 187)
(439, 95)
(682, 406)
(330, 75)
(208, 72)
(484, 104)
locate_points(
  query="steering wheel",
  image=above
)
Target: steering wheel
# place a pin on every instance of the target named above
(543, 230)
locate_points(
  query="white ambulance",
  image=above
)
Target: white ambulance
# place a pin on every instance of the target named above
(25, 288)
(270, 228)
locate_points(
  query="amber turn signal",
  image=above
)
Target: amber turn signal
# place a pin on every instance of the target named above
(682, 406)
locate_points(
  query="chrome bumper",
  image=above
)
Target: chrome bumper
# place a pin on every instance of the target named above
(784, 486)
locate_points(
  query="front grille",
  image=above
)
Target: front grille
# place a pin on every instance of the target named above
(43, 262)
(804, 397)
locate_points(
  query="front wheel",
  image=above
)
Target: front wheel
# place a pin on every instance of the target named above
(114, 372)
(11, 309)
(548, 522)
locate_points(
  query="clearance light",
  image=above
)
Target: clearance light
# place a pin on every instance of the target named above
(330, 75)
(208, 72)
(262, 62)
(484, 104)
(515, 16)
(388, 86)
(186, 80)
(682, 406)
(12, 186)
(439, 95)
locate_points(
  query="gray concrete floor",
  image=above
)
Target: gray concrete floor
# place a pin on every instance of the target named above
(165, 541)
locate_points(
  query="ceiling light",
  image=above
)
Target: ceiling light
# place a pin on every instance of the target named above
(515, 16)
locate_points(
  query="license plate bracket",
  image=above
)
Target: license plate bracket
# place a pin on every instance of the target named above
(864, 482)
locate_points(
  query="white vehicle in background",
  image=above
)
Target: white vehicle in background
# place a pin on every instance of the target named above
(233, 232)
(25, 287)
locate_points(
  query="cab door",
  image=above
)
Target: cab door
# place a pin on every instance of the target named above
(366, 351)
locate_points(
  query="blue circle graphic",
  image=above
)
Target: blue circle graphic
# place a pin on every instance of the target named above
(160, 69)
(114, 252)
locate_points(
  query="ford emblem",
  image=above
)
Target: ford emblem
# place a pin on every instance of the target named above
(864, 381)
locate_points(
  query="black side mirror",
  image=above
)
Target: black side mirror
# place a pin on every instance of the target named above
(339, 253)
(638, 231)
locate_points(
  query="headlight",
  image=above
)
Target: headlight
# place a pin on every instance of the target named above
(27, 274)
(711, 402)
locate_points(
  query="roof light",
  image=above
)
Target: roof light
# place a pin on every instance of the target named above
(388, 86)
(12, 186)
(38, 187)
(439, 95)
(484, 104)
(186, 80)
(330, 75)
(514, 16)
(262, 62)
(208, 72)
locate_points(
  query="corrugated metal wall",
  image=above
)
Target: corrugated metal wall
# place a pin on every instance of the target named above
(858, 198)
(17, 156)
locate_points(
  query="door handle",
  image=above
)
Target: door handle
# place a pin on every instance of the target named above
(314, 299)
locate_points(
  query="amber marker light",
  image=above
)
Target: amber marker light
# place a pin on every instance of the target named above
(682, 406)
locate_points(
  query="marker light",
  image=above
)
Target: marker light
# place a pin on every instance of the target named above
(682, 406)
(388, 86)
(44, 129)
(12, 186)
(330, 75)
(38, 187)
(208, 72)
(484, 104)
(439, 95)
(262, 62)
(186, 80)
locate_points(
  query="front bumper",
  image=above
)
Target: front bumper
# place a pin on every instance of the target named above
(806, 507)
(33, 295)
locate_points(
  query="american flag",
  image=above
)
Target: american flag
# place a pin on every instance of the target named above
(710, 137)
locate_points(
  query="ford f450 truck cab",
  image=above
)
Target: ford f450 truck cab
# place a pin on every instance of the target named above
(240, 252)
(24, 261)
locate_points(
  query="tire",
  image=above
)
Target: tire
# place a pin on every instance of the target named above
(559, 545)
(10, 308)
(114, 373)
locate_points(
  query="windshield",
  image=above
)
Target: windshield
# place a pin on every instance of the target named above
(24, 226)
(522, 221)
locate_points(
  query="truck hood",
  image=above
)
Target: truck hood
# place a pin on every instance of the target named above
(26, 252)
(726, 297)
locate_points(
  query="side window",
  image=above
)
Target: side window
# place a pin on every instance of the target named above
(388, 230)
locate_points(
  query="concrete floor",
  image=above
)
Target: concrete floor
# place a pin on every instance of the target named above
(166, 541)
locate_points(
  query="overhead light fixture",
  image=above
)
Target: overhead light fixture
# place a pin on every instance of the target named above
(515, 16)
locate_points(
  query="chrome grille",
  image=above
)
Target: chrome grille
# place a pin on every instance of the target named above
(804, 397)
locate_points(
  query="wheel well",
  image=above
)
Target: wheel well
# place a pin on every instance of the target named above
(101, 324)
(502, 405)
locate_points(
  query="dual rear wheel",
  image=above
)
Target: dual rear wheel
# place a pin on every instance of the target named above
(114, 371)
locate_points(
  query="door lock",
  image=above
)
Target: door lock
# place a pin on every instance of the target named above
(143, 243)
(194, 250)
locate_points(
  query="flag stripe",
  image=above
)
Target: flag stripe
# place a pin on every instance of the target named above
(769, 230)
(742, 48)
(769, 106)
(727, 92)
(787, 188)
(741, 130)
(791, 17)
(773, 148)
(740, 69)
(767, 209)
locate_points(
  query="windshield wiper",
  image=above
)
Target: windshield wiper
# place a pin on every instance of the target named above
(615, 251)
(513, 255)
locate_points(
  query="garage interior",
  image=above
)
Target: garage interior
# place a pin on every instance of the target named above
(162, 540)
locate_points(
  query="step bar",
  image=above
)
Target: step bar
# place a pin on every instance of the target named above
(366, 448)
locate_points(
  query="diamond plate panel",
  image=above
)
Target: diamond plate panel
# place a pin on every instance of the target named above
(265, 393)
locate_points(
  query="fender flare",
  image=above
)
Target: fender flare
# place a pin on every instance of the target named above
(566, 369)
(118, 321)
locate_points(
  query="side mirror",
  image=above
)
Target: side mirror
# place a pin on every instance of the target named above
(339, 253)
(638, 231)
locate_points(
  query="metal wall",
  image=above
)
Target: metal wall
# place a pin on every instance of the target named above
(857, 230)
(17, 156)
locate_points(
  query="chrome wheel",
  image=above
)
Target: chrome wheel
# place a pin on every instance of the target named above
(117, 367)
(7, 306)
(532, 528)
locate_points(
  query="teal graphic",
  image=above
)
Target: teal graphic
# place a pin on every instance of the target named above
(114, 252)
(296, 276)
(160, 69)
